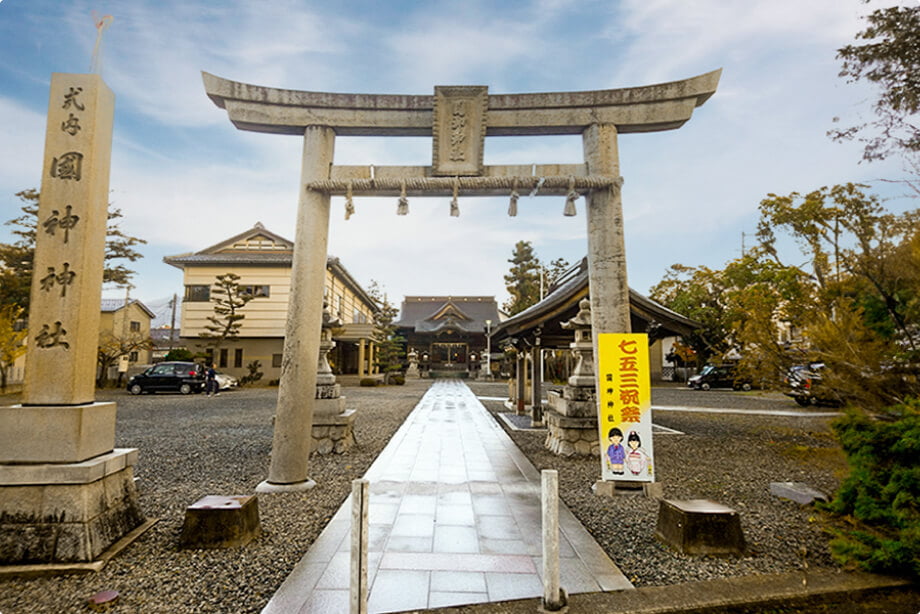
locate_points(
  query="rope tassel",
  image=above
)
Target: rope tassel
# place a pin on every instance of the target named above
(570, 199)
(512, 204)
(454, 204)
(403, 207)
(349, 203)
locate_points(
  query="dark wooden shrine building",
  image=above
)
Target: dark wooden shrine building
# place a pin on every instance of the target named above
(447, 332)
(541, 324)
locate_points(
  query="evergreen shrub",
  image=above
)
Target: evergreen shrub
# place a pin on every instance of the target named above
(369, 382)
(881, 496)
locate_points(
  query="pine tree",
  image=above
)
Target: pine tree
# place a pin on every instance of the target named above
(390, 345)
(523, 279)
(227, 320)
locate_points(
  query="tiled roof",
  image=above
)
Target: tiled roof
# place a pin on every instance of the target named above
(432, 314)
(109, 305)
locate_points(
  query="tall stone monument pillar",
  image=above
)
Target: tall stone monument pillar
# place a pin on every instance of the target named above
(66, 493)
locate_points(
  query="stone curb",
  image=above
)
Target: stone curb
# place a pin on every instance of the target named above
(711, 596)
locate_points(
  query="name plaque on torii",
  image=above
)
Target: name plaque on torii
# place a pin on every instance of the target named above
(458, 119)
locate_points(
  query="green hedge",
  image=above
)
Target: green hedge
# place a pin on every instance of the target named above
(882, 491)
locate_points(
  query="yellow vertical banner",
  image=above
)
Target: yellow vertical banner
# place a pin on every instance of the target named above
(625, 401)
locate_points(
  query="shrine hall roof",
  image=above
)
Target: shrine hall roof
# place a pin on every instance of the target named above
(561, 304)
(431, 314)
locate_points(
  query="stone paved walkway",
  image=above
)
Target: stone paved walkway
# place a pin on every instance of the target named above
(454, 518)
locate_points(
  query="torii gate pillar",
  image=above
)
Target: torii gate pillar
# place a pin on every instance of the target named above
(297, 392)
(606, 245)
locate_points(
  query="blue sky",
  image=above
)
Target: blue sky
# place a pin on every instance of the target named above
(185, 178)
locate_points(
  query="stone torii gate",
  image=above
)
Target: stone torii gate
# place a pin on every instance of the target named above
(458, 119)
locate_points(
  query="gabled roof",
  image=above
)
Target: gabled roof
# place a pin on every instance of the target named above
(561, 304)
(259, 246)
(111, 305)
(256, 246)
(432, 314)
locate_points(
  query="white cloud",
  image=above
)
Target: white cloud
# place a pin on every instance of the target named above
(186, 178)
(22, 133)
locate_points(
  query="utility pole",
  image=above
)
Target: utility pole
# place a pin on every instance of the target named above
(172, 323)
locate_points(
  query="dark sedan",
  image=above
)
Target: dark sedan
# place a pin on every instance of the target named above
(182, 377)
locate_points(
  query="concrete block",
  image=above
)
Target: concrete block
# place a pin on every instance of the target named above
(56, 434)
(216, 521)
(52, 523)
(24, 544)
(799, 492)
(615, 488)
(700, 526)
(83, 472)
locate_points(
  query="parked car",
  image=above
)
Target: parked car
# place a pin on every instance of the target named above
(182, 377)
(225, 381)
(805, 385)
(718, 376)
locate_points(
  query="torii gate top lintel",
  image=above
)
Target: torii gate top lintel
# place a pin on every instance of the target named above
(665, 106)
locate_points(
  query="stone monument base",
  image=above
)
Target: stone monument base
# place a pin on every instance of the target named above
(67, 512)
(571, 436)
(56, 433)
(333, 427)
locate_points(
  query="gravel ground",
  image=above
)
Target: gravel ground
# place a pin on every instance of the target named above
(193, 446)
(728, 458)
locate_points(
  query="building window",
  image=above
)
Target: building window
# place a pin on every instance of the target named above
(197, 294)
(133, 356)
(135, 327)
(276, 361)
(339, 303)
(223, 358)
(238, 358)
(255, 291)
(209, 355)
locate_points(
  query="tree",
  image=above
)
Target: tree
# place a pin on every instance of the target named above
(113, 347)
(12, 335)
(227, 320)
(523, 280)
(553, 273)
(16, 259)
(856, 249)
(856, 298)
(697, 293)
(390, 344)
(889, 58)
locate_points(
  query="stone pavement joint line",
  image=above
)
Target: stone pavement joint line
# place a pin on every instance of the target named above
(454, 518)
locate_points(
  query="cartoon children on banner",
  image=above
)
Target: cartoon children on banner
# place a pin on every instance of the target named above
(625, 407)
(636, 459)
(616, 453)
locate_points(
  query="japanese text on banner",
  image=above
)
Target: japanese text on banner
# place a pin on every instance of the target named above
(625, 407)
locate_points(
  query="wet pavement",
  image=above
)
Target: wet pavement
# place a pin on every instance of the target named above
(454, 518)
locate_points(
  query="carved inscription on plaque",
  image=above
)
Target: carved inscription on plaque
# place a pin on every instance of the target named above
(459, 129)
(70, 243)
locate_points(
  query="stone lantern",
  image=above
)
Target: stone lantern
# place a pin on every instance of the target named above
(571, 421)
